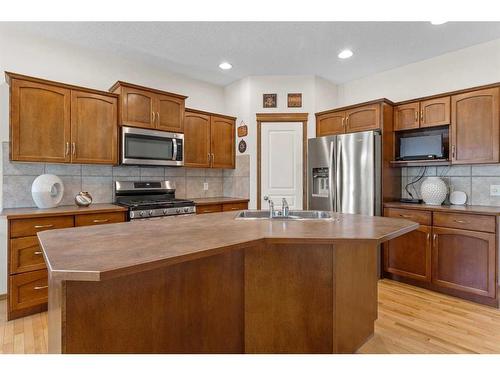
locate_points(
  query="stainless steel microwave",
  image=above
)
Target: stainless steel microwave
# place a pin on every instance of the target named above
(151, 147)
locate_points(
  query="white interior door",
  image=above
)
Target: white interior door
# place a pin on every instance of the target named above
(281, 163)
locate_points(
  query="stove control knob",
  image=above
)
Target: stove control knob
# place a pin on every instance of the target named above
(165, 211)
(178, 210)
(186, 209)
(150, 212)
(132, 214)
(141, 214)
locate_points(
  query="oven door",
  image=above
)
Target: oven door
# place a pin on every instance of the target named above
(151, 147)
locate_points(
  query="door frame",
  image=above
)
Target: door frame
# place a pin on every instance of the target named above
(283, 117)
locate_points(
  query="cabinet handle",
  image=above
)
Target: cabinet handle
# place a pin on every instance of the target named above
(428, 236)
(40, 287)
(416, 115)
(435, 238)
(460, 221)
(213, 159)
(66, 150)
(153, 117)
(158, 118)
(343, 119)
(37, 253)
(208, 211)
(405, 216)
(208, 158)
(73, 148)
(453, 152)
(347, 121)
(100, 220)
(422, 115)
(44, 226)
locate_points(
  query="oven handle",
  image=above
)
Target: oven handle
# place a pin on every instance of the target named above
(174, 141)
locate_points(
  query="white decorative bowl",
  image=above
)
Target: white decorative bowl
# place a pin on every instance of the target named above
(433, 191)
(47, 191)
(458, 197)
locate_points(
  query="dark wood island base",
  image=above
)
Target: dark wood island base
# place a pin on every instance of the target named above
(271, 297)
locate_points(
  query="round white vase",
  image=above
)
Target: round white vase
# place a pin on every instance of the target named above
(433, 191)
(47, 191)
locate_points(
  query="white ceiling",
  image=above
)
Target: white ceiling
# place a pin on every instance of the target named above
(270, 48)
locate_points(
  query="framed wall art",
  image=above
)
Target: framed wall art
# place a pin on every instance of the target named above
(294, 100)
(269, 100)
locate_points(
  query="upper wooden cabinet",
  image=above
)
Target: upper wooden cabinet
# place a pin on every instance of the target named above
(93, 128)
(330, 124)
(144, 107)
(426, 113)
(39, 121)
(209, 140)
(59, 123)
(475, 127)
(196, 140)
(222, 131)
(363, 118)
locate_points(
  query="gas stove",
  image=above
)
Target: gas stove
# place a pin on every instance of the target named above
(148, 199)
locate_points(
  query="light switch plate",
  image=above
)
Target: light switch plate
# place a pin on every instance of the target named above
(495, 190)
(205, 186)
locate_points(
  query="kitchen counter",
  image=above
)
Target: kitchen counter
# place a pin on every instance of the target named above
(213, 284)
(467, 209)
(217, 200)
(22, 213)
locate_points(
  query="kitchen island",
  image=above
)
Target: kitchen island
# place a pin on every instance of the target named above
(213, 284)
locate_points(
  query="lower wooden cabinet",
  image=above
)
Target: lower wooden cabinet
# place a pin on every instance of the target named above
(221, 207)
(28, 280)
(445, 257)
(410, 255)
(464, 260)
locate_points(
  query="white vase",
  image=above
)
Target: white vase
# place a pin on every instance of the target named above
(47, 191)
(433, 191)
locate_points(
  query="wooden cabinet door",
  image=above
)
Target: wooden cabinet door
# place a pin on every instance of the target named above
(330, 124)
(94, 128)
(137, 108)
(28, 289)
(410, 255)
(222, 142)
(475, 127)
(39, 122)
(196, 140)
(464, 260)
(363, 118)
(435, 112)
(169, 113)
(406, 116)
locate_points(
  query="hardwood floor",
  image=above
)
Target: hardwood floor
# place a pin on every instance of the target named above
(410, 320)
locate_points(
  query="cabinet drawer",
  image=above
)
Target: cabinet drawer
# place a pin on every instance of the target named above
(29, 227)
(234, 206)
(100, 218)
(28, 289)
(483, 223)
(209, 208)
(421, 217)
(25, 255)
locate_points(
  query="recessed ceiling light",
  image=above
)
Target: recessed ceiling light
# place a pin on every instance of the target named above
(438, 22)
(225, 66)
(345, 54)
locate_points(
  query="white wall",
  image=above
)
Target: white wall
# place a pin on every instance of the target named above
(244, 100)
(61, 62)
(468, 67)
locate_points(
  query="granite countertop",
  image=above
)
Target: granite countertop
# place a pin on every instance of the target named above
(218, 200)
(466, 209)
(20, 213)
(106, 251)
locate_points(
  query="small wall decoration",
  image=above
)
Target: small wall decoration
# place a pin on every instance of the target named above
(269, 100)
(242, 130)
(242, 146)
(294, 100)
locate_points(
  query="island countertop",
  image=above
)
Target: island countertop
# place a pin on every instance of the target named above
(107, 251)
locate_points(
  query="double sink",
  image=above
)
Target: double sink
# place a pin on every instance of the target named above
(293, 215)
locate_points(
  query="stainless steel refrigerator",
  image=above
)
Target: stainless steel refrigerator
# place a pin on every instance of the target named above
(344, 173)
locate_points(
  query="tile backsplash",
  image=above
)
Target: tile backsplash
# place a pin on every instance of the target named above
(99, 180)
(474, 180)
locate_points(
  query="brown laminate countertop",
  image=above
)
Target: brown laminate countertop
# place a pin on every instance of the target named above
(466, 209)
(106, 251)
(217, 200)
(21, 213)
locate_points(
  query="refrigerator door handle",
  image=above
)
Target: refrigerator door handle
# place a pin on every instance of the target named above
(338, 183)
(331, 172)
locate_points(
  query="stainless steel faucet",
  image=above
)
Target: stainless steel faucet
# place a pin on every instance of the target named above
(285, 210)
(271, 206)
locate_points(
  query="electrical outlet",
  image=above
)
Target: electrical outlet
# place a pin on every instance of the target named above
(495, 190)
(205, 186)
